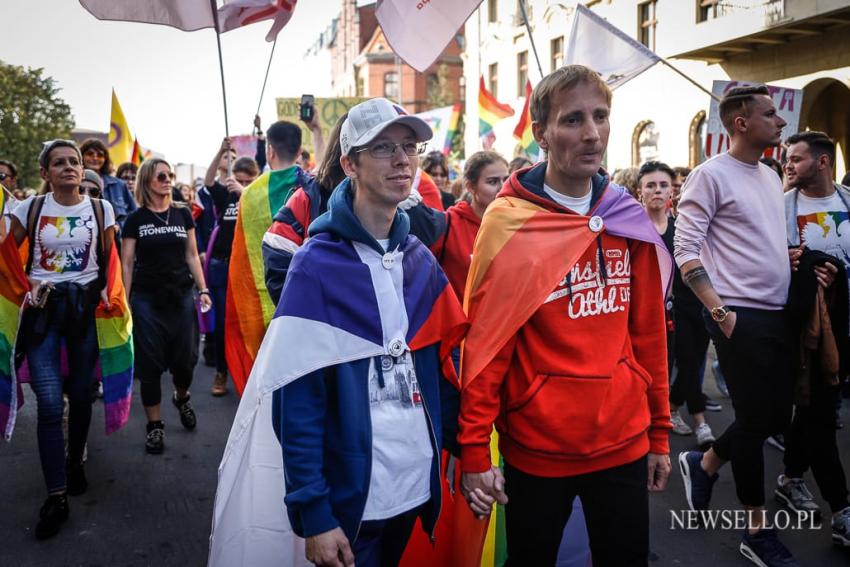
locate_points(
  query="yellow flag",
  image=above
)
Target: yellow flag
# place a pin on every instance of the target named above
(120, 140)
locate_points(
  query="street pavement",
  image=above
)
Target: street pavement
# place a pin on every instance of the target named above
(155, 510)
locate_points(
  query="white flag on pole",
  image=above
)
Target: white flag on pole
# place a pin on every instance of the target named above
(604, 48)
(418, 31)
(237, 13)
(187, 15)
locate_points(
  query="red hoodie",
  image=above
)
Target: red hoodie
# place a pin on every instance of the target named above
(454, 249)
(582, 386)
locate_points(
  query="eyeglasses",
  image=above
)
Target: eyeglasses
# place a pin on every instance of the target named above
(93, 153)
(384, 150)
(90, 190)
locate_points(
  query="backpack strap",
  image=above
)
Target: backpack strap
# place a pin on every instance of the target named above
(32, 220)
(102, 252)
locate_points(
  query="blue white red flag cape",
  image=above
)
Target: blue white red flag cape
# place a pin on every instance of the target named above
(317, 324)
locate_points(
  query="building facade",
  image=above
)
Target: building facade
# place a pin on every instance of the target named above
(798, 44)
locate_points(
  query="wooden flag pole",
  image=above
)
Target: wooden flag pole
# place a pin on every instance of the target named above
(530, 36)
(268, 68)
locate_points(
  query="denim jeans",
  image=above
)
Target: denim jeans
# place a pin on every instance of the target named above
(47, 383)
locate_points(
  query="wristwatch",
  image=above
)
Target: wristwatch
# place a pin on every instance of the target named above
(719, 314)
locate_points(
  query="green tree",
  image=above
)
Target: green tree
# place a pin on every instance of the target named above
(31, 112)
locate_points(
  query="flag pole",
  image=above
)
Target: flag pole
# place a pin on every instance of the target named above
(530, 37)
(268, 68)
(214, 8)
(690, 80)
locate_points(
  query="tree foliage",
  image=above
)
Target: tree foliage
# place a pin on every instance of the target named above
(31, 112)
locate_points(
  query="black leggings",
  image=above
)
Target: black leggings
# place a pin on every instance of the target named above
(614, 500)
(165, 337)
(756, 362)
(690, 348)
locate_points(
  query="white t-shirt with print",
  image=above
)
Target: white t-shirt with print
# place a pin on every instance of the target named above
(824, 225)
(581, 205)
(66, 240)
(401, 444)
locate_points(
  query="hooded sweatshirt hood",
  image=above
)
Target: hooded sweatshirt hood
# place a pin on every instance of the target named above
(340, 220)
(528, 184)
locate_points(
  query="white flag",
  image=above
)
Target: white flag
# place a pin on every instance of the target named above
(237, 13)
(187, 15)
(419, 30)
(604, 48)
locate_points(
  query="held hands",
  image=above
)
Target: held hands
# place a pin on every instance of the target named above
(482, 490)
(330, 549)
(659, 472)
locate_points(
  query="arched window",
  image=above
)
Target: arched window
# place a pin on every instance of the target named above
(696, 139)
(391, 86)
(644, 142)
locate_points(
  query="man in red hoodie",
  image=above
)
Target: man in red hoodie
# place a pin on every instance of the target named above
(567, 350)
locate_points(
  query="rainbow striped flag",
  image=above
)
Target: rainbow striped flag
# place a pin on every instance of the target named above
(490, 111)
(249, 308)
(138, 156)
(453, 120)
(114, 337)
(523, 132)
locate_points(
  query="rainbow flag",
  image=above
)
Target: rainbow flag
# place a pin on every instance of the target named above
(114, 337)
(138, 156)
(490, 111)
(523, 132)
(249, 309)
(453, 120)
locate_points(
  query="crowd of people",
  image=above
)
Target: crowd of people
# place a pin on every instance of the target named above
(399, 314)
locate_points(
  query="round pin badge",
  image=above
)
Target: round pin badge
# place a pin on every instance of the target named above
(396, 347)
(596, 223)
(386, 363)
(387, 261)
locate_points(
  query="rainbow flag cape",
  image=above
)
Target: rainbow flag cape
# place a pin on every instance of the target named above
(114, 337)
(522, 132)
(490, 111)
(249, 308)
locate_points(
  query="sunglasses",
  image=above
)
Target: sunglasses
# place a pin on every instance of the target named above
(163, 177)
(4, 176)
(90, 190)
(92, 153)
(128, 178)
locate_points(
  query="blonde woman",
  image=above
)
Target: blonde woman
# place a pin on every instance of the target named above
(161, 265)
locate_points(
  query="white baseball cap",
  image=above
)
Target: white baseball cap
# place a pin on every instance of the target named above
(368, 119)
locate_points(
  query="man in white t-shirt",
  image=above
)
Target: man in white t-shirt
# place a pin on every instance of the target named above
(817, 214)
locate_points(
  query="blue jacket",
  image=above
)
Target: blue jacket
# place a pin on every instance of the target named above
(116, 192)
(323, 419)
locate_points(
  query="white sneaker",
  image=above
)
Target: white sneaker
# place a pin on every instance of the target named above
(704, 435)
(679, 425)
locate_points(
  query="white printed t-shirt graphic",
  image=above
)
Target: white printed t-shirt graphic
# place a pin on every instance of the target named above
(824, 224)
(401, 443)
(65, 239)
(581, 205)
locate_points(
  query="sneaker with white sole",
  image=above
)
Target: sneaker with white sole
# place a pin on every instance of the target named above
(698, 484)
(796, 496)
(705, 437)
(841, 528)
(765, 550)
(777, 442)
(679, 425)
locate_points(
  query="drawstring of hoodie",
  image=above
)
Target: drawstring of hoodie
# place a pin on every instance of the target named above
(603, 271)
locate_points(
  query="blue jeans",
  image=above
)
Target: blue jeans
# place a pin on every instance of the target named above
(381, 543)
(47, 383)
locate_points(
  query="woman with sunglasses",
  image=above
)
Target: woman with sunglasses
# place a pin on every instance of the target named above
(92, 184)
(66, 274)
(161, 265)
(96, 157)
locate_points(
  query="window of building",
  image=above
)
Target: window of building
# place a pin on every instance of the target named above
(557, 51)
(644, 143)
(492, 11)
(521, 73)
(493, 76)
(391, 90)
(696, 139)
(706, 10)
(646, 23)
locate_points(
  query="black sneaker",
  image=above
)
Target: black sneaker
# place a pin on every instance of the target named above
(187, 414)
(52, 515)
(75, 476)
(698, 484)
(155, 442)
(764, 549)
(841, 528)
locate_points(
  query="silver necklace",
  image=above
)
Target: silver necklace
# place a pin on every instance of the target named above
(165, 220)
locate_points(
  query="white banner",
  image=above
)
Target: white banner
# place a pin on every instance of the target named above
(597, 44)
(187, 15)
(439, 120)
(419, 30)
(788, 103)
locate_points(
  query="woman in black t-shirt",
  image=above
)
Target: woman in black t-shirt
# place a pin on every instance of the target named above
(161, 265)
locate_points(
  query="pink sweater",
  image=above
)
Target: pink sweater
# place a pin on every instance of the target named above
(732, 218)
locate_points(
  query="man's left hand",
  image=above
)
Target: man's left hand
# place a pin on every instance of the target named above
(826, 274)
(659, 472)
